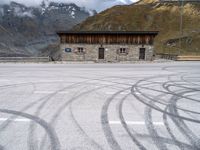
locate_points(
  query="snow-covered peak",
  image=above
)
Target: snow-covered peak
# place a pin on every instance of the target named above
(46, 8)
(67, 8)
(16, 9)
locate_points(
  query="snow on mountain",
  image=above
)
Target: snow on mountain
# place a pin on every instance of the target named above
(45, 7)
(32, 28)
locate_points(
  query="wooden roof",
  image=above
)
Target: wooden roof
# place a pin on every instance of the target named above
(108, 37)
(109, 32)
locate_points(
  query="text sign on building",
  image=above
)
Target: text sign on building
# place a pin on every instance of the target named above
(68, 50)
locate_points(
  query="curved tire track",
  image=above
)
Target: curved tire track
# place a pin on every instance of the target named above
(55, 144)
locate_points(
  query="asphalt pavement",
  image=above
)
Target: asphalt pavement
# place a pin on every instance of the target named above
(146, 106)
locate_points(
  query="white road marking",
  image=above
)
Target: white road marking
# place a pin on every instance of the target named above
(135, 123)
(15, 120)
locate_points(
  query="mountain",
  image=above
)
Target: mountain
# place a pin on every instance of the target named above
(24, 31)
(153, 15)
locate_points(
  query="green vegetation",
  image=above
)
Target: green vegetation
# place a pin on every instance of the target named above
(153, 15)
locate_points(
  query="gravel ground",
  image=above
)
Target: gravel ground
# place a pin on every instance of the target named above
(100, 106)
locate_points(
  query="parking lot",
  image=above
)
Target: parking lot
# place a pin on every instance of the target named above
(145, 106)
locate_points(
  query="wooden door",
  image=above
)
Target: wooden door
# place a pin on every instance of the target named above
(142, 54)
(101, 53)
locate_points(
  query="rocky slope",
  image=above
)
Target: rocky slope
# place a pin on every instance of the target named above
(153, 15)
(25, 30)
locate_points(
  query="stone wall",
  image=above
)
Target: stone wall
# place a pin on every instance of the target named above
(111, 54)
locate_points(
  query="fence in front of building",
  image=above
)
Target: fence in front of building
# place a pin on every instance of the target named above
(25, 59)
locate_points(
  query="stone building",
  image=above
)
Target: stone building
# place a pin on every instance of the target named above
(107, 46)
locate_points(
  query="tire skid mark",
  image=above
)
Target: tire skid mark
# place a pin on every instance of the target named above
(114, 82)
(166, 140)
(180, 81)
(32, 127)
(183, 79)
(173, 113)
(125, 126)
(82, 132)
(170, 93)
(4, 125)
(171, 83)
(66, 104)
(180, 145)
(136, 90)
(182, 126)
(166, 103)
(105, 122)
(7, 123)
(151, 128)
(194, 140)
(55, 144)
(32, 144)
(42, 143)
(167, 88)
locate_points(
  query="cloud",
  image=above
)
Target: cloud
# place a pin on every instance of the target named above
(98, 5)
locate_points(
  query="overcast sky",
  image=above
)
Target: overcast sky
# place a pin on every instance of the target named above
(98, 5)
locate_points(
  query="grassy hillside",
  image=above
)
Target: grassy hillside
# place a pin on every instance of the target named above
(152, 15)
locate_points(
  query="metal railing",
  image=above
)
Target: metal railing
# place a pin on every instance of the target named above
(25, 59)
(167, 56)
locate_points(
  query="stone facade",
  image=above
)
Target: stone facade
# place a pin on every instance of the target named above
(111, 52)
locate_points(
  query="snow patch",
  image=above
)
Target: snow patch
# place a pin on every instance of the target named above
(91, 12)
(72, 14)
(22, 13)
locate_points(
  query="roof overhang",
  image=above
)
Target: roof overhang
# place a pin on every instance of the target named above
(108, 32)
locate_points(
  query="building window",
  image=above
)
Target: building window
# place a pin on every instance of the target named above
(123, 51)
(80, 50)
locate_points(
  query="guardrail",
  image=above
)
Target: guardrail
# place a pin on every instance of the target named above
(188, 58)
(25, 59)
(179, 57)
(167, 56)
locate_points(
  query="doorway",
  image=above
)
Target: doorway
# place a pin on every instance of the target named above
(142, 54)
(101, 53)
